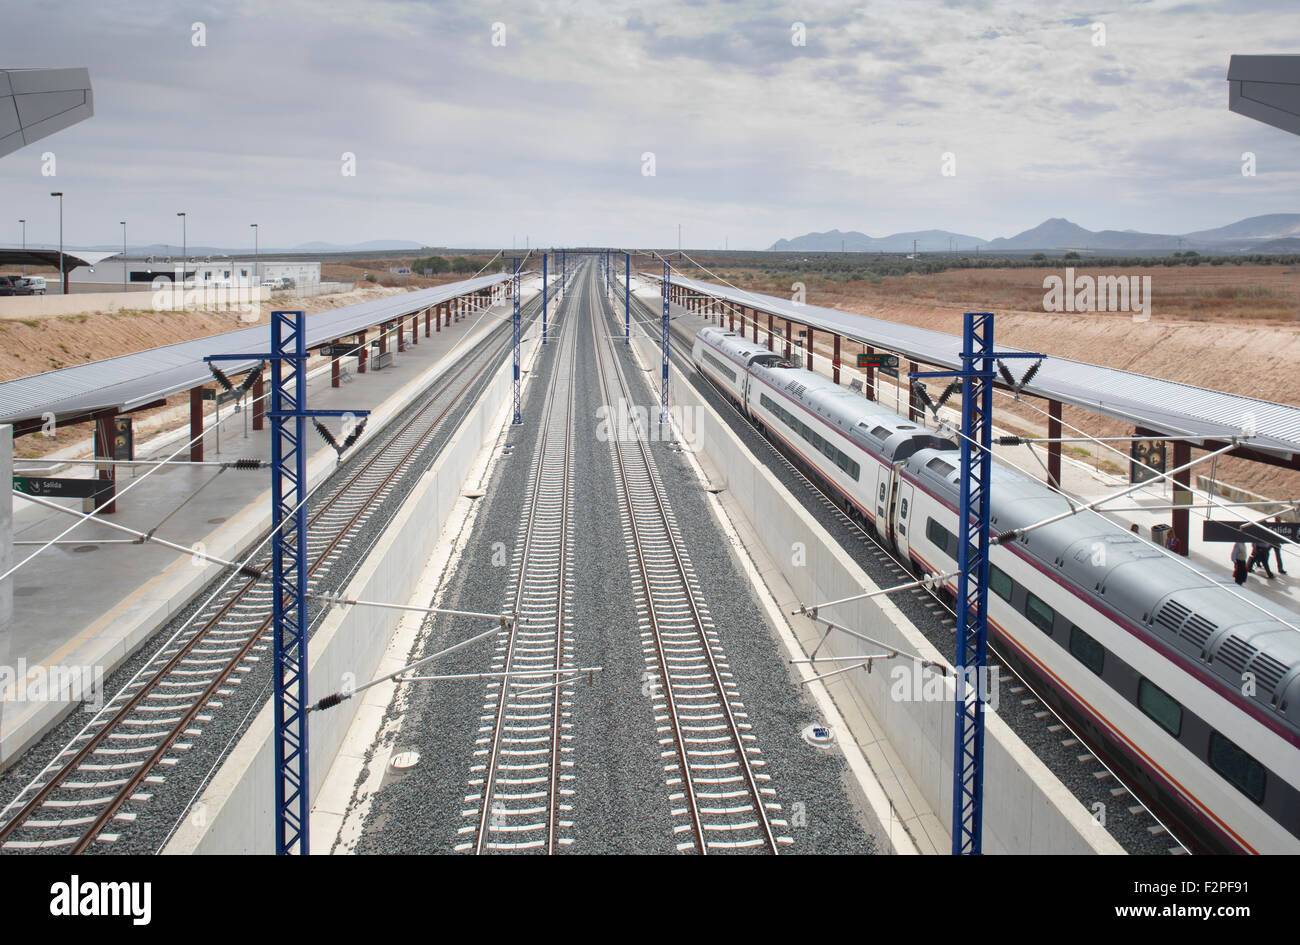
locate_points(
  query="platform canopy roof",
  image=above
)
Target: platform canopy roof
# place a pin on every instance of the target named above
(35, 103)
(1267, 89)
(131, 381)
(1165, 407)
(72, 259)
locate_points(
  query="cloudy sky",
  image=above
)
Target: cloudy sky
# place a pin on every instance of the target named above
(458, 141)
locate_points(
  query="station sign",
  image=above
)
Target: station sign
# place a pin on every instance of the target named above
(221, 397)
(123, 438)
(883, 362)
(341, 350)
(52, 488)
(1229, 530)
(1146, 453)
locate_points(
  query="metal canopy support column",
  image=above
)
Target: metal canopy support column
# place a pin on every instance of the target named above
(627, 298)
(914, 410)
(104, 450)
(789, 330)
(869, 385)
(977, 376)
(259, 401)
(1182, 494)
(196, 424)
(363, 352)
(809, 352)
(769, 331)
(1054, 447)
(835, 360)
(663, 383)
(514, 334)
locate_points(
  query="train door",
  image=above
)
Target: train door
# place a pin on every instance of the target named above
(881, 501)
(903, 523)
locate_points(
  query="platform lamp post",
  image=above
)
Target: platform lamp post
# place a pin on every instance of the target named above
(123, 222)
(544, 287)
(514, 334)
(257, 253)
(23, 223)
(184, 244)
(62, 274)
(663, 385)
(976, 377)
(627, 298)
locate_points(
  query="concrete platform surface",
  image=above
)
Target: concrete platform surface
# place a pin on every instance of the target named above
(88, 603)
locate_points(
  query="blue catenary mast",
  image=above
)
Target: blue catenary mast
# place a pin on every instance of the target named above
(288, 415)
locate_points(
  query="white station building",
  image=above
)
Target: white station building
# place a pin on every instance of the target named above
(139, 274)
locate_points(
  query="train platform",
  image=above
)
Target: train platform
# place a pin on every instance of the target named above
(83, 606)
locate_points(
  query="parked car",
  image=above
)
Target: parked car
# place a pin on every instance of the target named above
(16, 285)
(38, 284)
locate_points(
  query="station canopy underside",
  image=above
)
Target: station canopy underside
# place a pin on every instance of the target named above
(1164, 407)
(14, 256)
(132, 381)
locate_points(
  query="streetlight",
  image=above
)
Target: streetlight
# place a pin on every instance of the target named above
(59, 194)
(24, 223)
(123, 222)
(184, 221)
(256, 254)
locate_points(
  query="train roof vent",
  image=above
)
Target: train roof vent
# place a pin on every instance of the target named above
(1197, 630)
(941, 467)
(1235, 653)
(1172, 615)
(1268, 671)
(794, 387)
(879, 431)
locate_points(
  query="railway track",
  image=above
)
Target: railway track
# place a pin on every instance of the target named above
(1046, 714)
(98, 783)
(521, 783)
(723, 801)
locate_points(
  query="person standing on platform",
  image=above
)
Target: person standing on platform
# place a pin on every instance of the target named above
(1259, 555)
(1239, 568)
(1277, 545)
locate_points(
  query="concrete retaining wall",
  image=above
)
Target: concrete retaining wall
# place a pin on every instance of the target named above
(235, 813)
(1026, 808)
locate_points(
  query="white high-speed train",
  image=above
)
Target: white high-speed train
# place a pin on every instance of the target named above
(1189, 690)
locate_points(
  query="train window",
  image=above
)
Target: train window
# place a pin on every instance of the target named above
(902, 511)
(817, 440)
(1040, 614)
(855, 470)
(1160, 707)
(1242, 771)
(1087, 650)
(1000, 583)
(882, 492)
(937, 534)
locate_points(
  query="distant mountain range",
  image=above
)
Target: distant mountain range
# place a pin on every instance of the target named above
(1271, 233)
